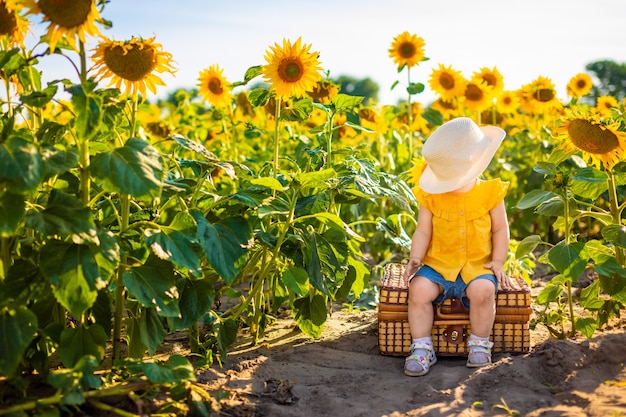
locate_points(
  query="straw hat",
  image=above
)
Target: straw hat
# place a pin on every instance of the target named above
(457, 153)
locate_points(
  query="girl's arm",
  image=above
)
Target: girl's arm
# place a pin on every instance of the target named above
(420, 240)
(500, 238)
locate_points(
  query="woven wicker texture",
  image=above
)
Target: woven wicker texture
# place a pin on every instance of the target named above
(510, 333)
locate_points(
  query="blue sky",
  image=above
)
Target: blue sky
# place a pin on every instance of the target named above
(523, 39)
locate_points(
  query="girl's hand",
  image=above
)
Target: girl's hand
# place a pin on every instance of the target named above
(411, 268)
(498, 270)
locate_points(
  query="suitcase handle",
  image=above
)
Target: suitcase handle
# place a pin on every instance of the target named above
(457, 310)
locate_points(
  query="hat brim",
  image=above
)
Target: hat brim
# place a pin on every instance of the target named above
(433, 185)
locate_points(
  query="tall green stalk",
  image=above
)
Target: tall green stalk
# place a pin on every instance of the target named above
(570, 300)
(120, 290)
(276, 136)
(616, 212)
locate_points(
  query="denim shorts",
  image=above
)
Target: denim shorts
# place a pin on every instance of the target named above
(451, 289)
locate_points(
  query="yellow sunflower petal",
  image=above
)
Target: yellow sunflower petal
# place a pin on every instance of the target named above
(133, 63)
(67, 18)
(407, 50)
(291, 69)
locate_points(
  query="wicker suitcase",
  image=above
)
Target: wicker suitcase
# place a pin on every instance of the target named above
(451, 329)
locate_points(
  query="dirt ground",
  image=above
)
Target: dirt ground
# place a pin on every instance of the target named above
(343, 374)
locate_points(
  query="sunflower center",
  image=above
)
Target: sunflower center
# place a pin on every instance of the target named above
(446, 81)
(8, 21)
(407, 50)
(473, 92)
(581, 84)
(489, 79)
(66, 13)
(544, 95)
(591, 138)
(290, 70)
(215, 86)
(132, 64)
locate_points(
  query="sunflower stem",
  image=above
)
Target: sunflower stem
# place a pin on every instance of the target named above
(119, 283)
(570, 301)
(276, 133)
(615, 212)
(409, 113)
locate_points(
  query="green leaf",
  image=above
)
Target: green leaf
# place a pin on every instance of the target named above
(252, 73)
(64, 214)
(39, 98)
(267, 182)
(300, 111)
(17, 329)
(259, 97)
(194, 146)
(80, 341)
(57, 161)
(535, 198)
(552, 291)
(173, 371)
(73, 272)
(589, 183)
(527, 245)
(586, 325)
(153, 284)
(134, 169)
(310, 315)
(87, 107)
(345, 102)
(433, 116)
(415, 88)
(322, 258)
(590, 297)
(316, 179)
(177, 242)
(615, 234)
(21, 165)
(12, 211)
(227, 333)
(333, 221)
(569, 259)
(196, 298)
(151, 329)
(297, 280)
(224, 243)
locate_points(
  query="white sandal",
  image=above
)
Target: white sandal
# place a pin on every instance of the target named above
(479, 353)
(416, 365)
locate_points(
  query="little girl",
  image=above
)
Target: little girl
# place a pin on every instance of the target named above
(461, 240)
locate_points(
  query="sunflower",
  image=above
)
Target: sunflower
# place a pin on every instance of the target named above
(447, 108)
(579, 85)
(507, 102)
(132, 63)
(602, 144)
(447, 82)
(13, 26)
(291, 69)
(540, 95)
(477, 95)
(415, 172)
(604, 104)
(324, 91)
(69, 18)
(407, 50)
(491, 77)
(213, 86)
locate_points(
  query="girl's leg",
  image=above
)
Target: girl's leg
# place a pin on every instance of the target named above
(482, 296)
(422, 293)
(482, 313)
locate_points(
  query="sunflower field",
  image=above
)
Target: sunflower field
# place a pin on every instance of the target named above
(123, 221)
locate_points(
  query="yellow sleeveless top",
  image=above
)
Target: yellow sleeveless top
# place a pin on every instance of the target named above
(461, 233)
